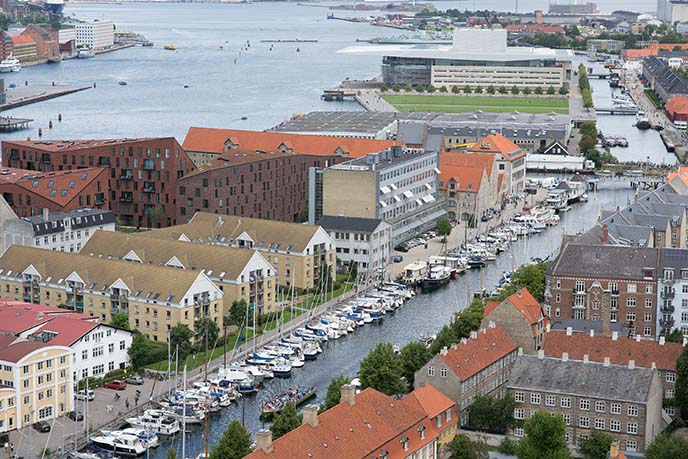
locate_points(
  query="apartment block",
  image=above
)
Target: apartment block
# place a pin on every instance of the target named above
(301, 255)
(143, 173)
(36, 382)
(522, 318)
(511, 160)
(46, 39)
(619, 349)
(365, 425)
(474, 367)
(672, 291)
(29, 192)
(154, 297)
(604, 283)
(240, 273)
(95, 35)
(623, 401)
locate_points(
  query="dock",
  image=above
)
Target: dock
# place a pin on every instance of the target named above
(9, 124)
(297, 40)
(25, 95)
(337, 94)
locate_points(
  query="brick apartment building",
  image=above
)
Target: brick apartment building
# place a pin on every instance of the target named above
(259, 174)
(29, 192)
(6, 47)
(474, 367)
(46, 39)
(624, 401)
(142, 173)
(596, 282)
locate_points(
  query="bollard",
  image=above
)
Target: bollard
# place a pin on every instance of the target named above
(59, 117)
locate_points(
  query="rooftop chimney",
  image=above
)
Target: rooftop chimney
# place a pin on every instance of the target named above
(614, 450)
(264, 440)
(592, 332)
(615, 336)
(606, 361)
(631, 364)
(548, 327)
(565, 357)
(520, 351)
(444, 351)
(474, 335)
(463, 341)
(454, 346)
(637, 338)
(492, 324)
(46, 214)
(541, 354)
(348, 394)
(586, 358)
(662, 340)
(310, 415)
(569, 331)
(605, 234)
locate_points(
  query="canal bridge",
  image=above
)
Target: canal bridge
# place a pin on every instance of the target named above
(642, 182)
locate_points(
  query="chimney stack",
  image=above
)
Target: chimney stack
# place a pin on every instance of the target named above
(541, 354)
(548, 327)
(565, 357)
(492, 324)
(264, 440)
(569, 331)
(453, 346)
(662, 340)
(586, 358)
(614, 450)
(605, 234)
(46, 214)
(637, 338)
(606, 361)
(592, 332)
(349, 394)
(444, 351)
(520, 351)
(631, 364)
(615, 336)
(474, 335)
(310, 415)
(463, 341)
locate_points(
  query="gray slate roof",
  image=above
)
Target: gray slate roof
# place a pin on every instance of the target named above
(674, 258)
(355, 224)
(619, 234)
(584, 326)
(411, 132)
(591, 379)
(607, 261)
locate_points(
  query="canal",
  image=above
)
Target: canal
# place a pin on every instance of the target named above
(425, 314)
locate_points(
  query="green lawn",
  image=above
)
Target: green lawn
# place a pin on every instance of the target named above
(461, 104)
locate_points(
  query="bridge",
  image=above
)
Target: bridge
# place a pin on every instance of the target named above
(616, 111)
(642, 182)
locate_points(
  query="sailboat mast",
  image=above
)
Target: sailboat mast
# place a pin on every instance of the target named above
(184, 418)
(208, 396)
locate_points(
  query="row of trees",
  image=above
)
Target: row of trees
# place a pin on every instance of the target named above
(515, 90)
(584, 85)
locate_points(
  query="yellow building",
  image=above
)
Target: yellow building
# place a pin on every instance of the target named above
(241, 274)
(155, 297)
(36, 380)
(299, 253)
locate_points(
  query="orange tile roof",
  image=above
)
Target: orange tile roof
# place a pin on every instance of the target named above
(60, 187)
(69, 145)
(430, 400)
(483, 161)
(619, 351)
(681, 173)
(22, 40)
(209, 140)
(677, 105)
(466, 169)
(356, 431)
(469, 357)
(489, 307)
(497, 143)
(527, 305)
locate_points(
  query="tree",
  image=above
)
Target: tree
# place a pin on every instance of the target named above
(466, 89)
(478, 90)
(532, 278)
(461, 447)
(667, 447)
(383, 88)
(413, 356)
(507, 446)
(544, 438)
(171, 453)
(681, 394)
(444, 228)
(431, 88)
(334, 392)
(538, 90)
(209, 325)
(381, 369)
(515, 90)
(445, 338)
(468, 320)
(408, 88)
(138, 351)
(503, 90)
(527, 91)
(491, 414)
(181, 335)
(551, 91)
(420, 88)
(395, 87)
(285, 421)
(675, 336)
(120, 320)
(443, 89)
(596, 446)
(237, 312)
(234, 444)
(563, 90)
(490, 89)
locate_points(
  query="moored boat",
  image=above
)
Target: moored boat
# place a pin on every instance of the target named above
(294, 395)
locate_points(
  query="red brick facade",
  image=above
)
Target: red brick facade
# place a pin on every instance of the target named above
(273, 187)
(142, 173)
(28, 192)
(6, 46)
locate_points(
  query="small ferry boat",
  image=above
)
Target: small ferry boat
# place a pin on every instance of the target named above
(121, 445)
(85, 54)
(170, 47)
(294, 395)
(642, 122)
(156, 421)
(414, 273)
(11, 64)
(437, 277)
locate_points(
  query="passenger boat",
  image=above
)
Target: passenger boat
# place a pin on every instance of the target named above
(85, 54)
(150, 438)
(11, 64)
(156, 421)
(294, 395)
(436, 278)
(121, 445)
(642, 122)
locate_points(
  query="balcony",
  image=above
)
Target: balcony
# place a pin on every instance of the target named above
(100, 198)
(615, 292)
(126, 174)
(127, 197)
(668, 281)
(668, 294)
(149, 187)
(575, 291)
(664, 309)
(666, 322)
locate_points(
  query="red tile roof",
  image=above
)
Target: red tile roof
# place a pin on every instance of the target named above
(619, 351)
(541, 28)
(60, 187)
(69, 145)
(22, 40)
(13, 349)
(430, 400)
(17, 317)
(524, 303)
(374, 422)
(466, 169)
(497, 143)
(209, 140)
(677, 105)
(468, 358)
(67, 329)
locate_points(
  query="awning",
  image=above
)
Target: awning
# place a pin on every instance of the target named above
(428, 186)
(428, 198)
(437, 171)
(408, 194)
(393, 186)
(383, 204)
(419, 202)
(397, 198)
(385, 189)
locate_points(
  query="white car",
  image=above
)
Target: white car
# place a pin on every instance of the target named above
(88, 395)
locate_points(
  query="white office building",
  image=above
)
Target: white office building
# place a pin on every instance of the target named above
(365, 242)
(96, 35)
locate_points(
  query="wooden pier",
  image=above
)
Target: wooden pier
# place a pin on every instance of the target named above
(9, 124)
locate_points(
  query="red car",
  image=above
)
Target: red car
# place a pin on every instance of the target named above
(116, 384)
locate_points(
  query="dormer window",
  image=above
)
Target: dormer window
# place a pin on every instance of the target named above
(404, 443)
(439, 420)
(448, 415)
(421, 432)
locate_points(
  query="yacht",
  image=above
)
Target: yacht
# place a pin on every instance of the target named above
(156, 421)
(150, 439)
(11, 64)
(642, 122)
(85, 54)
(121, 445)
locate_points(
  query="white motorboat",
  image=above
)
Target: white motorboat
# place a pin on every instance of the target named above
(85, 54)
(150, 438)
(121, 445)
(194, 414)
(156, 421)
(11, 64)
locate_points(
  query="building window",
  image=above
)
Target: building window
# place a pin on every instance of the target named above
(670, 376)
(518, 432)
(550, 400)
(648, 302)
(632, 428)
(535, 399)
(431, 371)
(518, 413)
(615, 408)
(632, 410)
(631, 288)
(585, 404)
(599, 424)
(600, 407)
(615, 426)
(584, 421)
(519, 397)
(443, 372)
(567, 419)
(631, 445)
(630, 302)
(565, 402)
(669, 393)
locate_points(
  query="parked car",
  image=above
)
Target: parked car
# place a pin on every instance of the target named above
(116, 384)
(397, 259)
(135, 380)
(85, 395)
(41, 426)
(75, 416)
(402, 248)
